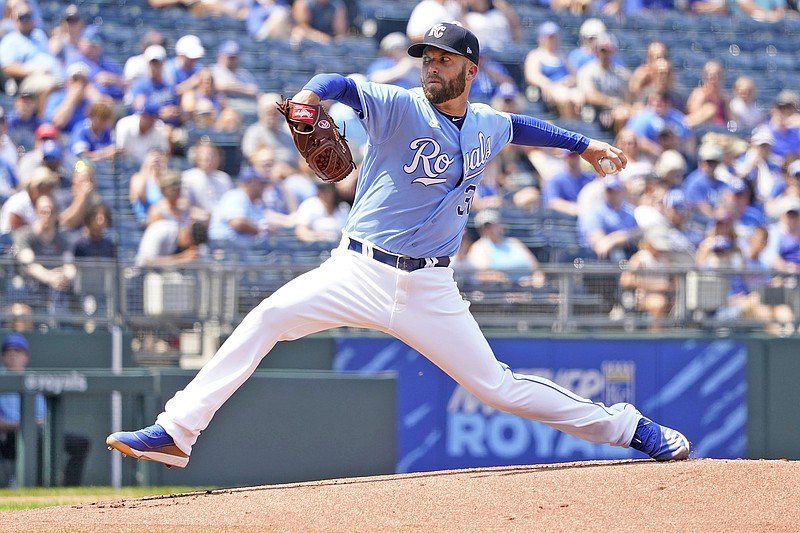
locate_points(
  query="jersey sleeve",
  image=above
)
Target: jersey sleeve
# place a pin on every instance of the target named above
(531, 131)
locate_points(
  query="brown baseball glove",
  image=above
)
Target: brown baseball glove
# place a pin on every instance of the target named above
(318, 140)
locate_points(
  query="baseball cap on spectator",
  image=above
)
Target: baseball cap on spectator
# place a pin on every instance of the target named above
(721, 243)
(737, 186)
(249, 174)
(190, 46)
(15, 340)
(155, 52)
(794, 168)
(394, 41)
(788, 204)
(229, 48)
(93, 34)
(450, 37)
(591, 28)
(762, 136)
(658, 237)
(507, 91)
(51, 150)
(709, 152)
(486, 216)
(149, 108)
(675, 199)
(669, 161)
(612, 182)
(78, 68)
(46, 131)
(787, 98)
(71, 13)
(548, 28)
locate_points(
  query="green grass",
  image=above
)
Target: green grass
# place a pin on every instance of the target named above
(31, 498)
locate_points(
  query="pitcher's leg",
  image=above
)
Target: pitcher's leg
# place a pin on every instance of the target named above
(440, 326)
(324, 298)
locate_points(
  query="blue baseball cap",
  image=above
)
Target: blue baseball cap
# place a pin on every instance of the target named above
(737, 186)
(548, 28)
(449, 37)
(15, 340)
(229, 48)
(612, 181)
(675, 199)
(150, 108)
(93, 34)
(249, 174)
(51, 149)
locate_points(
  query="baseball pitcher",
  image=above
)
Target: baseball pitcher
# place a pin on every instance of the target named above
(428, 148)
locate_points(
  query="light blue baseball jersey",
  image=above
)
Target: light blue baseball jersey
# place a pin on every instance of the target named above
(419, 173)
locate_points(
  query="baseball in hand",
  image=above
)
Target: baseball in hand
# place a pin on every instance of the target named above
(607, 165)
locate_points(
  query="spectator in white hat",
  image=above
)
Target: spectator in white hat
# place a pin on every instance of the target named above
(759, 165)
(154, 88)
(586, 50)
(136, 66)
(181, 71)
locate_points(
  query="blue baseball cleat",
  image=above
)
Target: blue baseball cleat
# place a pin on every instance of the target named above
(152, 443)
(660, 442)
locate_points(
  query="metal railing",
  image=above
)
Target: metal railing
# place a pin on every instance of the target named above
(182, 304)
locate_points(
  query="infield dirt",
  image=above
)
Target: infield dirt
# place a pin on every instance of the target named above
(693, 495)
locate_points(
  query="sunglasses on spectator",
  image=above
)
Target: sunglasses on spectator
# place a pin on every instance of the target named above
(25, 17)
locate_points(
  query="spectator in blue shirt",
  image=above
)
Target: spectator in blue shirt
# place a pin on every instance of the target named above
(23, 52)
(15, 358)
(23, 120)
(786, 137)
(181, 71)
(155, 89)
(609, 228)
(93, 138)
(239, 219)
(105, 75)
(491, 75)
(561, 192)
(654, 118)
(67, 107)
(702, 188)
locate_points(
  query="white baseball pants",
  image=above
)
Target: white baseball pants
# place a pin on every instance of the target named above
(425, 310)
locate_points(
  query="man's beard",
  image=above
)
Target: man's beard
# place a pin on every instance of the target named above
(447, 89)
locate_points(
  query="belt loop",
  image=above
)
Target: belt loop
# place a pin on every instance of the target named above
(367, 249)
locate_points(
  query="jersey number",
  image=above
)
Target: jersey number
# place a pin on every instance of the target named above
(469, 194)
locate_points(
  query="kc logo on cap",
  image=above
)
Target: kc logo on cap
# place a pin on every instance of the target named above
(450, 37)
(437, 31)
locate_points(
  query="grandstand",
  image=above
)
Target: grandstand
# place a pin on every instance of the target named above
(581, 293)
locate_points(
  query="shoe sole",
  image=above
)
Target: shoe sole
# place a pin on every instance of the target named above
(164, 458)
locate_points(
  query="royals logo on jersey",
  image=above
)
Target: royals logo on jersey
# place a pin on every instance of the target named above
(429, 159)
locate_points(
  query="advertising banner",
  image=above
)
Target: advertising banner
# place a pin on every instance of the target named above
(698, 387)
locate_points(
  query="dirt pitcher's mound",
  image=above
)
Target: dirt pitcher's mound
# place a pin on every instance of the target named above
(694, 495)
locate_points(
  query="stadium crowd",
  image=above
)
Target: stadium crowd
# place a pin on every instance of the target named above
(713, 179)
